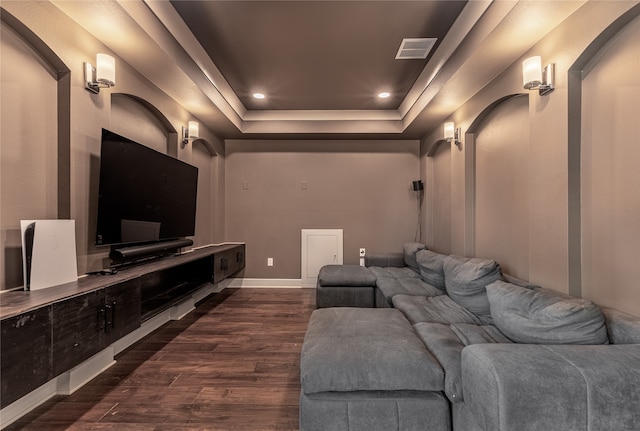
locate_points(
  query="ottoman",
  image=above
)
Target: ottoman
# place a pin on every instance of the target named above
(345, 286)
(366, 369)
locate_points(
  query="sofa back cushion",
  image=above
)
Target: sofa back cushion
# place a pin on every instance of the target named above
(466, 280)
(409, 250)
(622, 328)
(542, 316)
(431, 267)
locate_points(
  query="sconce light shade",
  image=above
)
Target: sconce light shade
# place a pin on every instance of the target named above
(106, 70)
(101, 76)
(449, 131)
(190, 132)
(452, 134)
(194, 129)
(532, 72)
(534, 77)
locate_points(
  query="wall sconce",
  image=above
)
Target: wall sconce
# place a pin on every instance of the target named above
(534, 77)
(452, 134)
(190, 132)
(101, 76)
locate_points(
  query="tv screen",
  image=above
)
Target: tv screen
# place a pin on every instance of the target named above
(144, 196)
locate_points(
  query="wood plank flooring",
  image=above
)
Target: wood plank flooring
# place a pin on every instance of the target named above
(231, 364)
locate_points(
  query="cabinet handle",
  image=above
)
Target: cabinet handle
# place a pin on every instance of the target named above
(103, 318)
(113, 314)
(107, 318)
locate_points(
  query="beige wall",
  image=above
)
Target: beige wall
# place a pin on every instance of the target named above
(550, 165)
(610, 166)
(89, 114)
(502, 187)
(361, 187)
(438, 188)
(28, 149)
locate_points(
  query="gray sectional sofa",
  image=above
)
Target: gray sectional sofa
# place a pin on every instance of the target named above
(427, 341)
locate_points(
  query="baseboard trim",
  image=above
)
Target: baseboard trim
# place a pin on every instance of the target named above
(288, 283)
(75, 378)
(24, 405)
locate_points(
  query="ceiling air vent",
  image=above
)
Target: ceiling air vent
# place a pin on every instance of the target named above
(417, 48)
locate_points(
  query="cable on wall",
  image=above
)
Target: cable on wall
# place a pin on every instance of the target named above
(418, 187)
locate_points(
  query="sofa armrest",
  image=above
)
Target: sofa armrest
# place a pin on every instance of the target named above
(534, 387)
(385, 260)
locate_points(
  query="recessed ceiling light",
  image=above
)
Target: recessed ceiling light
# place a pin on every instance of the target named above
(258, 95)
(384, 95)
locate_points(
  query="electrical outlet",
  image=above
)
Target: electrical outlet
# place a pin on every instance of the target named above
(269, 261)
(362, 252)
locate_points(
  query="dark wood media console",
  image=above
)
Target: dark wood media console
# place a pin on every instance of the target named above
(47, 332)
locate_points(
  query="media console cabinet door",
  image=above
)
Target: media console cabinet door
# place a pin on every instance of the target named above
(122, 310)
(228, 262)
(78, 330)
(25, 354)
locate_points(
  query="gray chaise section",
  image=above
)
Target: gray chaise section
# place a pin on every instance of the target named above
(366, 369)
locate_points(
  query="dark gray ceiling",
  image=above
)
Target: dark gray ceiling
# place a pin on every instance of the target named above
(316, 55)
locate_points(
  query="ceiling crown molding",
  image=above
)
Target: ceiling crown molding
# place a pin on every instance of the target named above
(149, 35)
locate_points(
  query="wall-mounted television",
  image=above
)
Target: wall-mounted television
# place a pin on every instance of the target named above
(144, 196)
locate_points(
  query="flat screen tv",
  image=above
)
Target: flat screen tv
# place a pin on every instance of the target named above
(144, 196)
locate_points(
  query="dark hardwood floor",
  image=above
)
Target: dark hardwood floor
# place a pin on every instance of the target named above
(231, 364)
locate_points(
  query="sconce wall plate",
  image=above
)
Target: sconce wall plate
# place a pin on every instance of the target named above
(90, 82)
(548, 75)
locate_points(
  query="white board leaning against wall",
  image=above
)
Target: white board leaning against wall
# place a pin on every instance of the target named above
(48, 253)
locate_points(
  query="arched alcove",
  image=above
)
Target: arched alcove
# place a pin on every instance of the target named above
(172, 133)
(496, 189)
(438, 189)
(36, 183)
(146, 117)
(603, 158)
(141, 121)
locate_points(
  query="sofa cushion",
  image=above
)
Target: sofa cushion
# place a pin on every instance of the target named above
(431, 268)
(542, 316)
(394, 272)
(345, 275)
(384, 259)
(437, 309)
(390, 287)
(410, 249)
(358, 349)
(446, 343)
(478, 334)
(447, 348)
(622, 328)
(466, 280)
